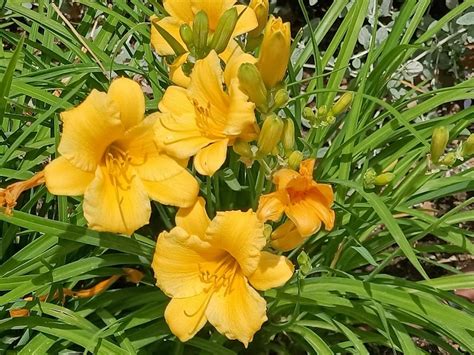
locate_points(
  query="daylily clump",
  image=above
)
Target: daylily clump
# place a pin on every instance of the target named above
(109, 155)
(212, 270)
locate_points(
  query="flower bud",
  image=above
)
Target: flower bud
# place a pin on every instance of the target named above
(342, 104)
(384, 179)
(439, 139)
(295, 159)
(288, 137)
(224, 30)
(200, 33)
(304, 262)
(322, 112)
(309, 114)
(369, 178)
(267, 231)
(270, 134)
(449, 159)
(252, 84)
(242, 148)
(186, 34)
(274, 52)
(468, 146)
(261, 9)
(281, 98)
(253, 43)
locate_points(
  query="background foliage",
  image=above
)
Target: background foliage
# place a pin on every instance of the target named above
(349, 296)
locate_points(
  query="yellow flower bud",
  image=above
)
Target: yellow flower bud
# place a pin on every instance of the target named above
(274, 52)
(295, 159)
(252, 84)
(281, 98)
(270, 135)
(468, 146)
(242, 148)
(186, 34)
(342, 104)
(224, 30)
(439, 139)
(261, 9)
(200, 33)
(384, 179)
(288, 137)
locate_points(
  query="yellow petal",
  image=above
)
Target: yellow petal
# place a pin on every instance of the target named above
(247, 20)
(241, 116)
(272, 271)
(237, 311)
(209, 159)
(213, 8)
(170, 25)
(186, 316)
(176, 262)
(283, 177)
(305, 217)
(271, 206)
(128, 96)
(63, 178)
(232, 49)
(235, 61)
(307, 168)
(179, 135)
(240, 234)
(177, 75)
(206, 83)
(194, 219)
(116, 204)
(180, 9)
(175, 100)
(320, 206)
(180, 190)
(89, 129)
(286, 237)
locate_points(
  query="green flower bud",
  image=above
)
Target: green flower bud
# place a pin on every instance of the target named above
(342, 104)
(242, 148)
(304, 263)
(200, 33)
(281, 98)
(384, 179)
(309, 114)
(267, 231)
(322, 112)
(369, 178)
(439, 139)
(468, 146)
(295, 159)
(270, 134)
(224, 30)
(449, 159)
(186, 34)
(288, 137)
(252, 84)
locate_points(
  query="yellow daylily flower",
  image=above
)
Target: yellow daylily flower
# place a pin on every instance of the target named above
(183, 12)
(212, 270)
(108, 154)
(305, 202)
(204, 119)
(261, 9)
(274, 51)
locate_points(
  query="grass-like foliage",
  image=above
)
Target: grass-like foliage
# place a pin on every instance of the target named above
(341, 298)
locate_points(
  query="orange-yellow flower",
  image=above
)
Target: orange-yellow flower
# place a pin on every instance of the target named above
(183, 11)
(204, 119)
(211, 270)
(274, 51)
(305, 202)
(108, 154)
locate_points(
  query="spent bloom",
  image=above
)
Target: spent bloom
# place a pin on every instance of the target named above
(204, 119)
(212, 270)
(109, 155)
(304, 201)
